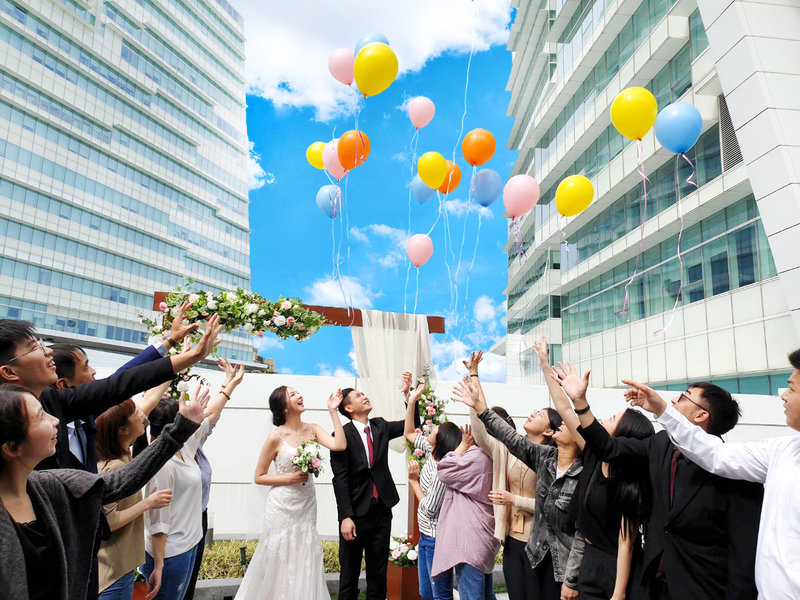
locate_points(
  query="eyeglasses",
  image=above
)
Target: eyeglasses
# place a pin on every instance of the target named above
(685, 395)
(39, 346)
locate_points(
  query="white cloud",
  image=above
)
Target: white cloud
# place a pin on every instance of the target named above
(485, 310)
(288, 46)
(326, 370)
(328, 292)
(264, 343)
(447, 357)
(353, 360)
(392, 256)
(256, 176)
(459, 208)
(285, 371)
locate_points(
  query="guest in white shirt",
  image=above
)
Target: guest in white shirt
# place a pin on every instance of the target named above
(774, 462)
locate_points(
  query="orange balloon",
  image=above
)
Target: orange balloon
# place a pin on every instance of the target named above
(478, 147)
(452, 179)
(353, 149)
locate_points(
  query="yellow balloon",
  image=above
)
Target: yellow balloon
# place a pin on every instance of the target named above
(634, 112)
(432, 168)
(375, 68)
(574, 195)
(314, 155)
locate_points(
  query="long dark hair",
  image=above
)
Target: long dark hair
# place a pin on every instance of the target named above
(632, 491)
(277, 404)
(108, 425)
(555, 420)
(162, 415)
(13, 415)
(448, 437)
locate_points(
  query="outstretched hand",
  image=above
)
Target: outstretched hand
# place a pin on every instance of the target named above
(472, 362)
(209, 339)
(334, 400)
(416, 393)
(405, 382)
(179, 330)
(540, 347)
(233, 374)
(194, 411)
(644, 397)
(466, 437)
(468, 392)
(574, 385)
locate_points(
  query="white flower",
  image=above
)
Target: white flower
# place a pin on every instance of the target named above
(279, 321)
(193, 298)
(262, 312)
(156, 339)
(412, 555)
(183, 386)
(286, 305)
(174, 311)
(403, 548)
(248, 327)
(250, 309)
(393, 545)
(209, 295)
(212, 304)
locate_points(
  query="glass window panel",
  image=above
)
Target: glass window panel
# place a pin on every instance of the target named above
(765, 261)
(743, 250)
(716, 271)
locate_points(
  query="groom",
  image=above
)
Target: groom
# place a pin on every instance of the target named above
(365, 494)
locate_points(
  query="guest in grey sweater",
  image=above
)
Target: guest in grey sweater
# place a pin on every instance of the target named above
(48, 519)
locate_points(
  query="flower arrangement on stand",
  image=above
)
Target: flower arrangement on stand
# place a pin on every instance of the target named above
(402, 552)
(431, 413)
(309, 457)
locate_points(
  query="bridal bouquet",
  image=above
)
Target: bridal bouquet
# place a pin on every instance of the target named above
(402, 552)
(309, 457)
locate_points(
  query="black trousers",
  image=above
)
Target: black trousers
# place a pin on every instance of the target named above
(545, 586)
(517, 569)
(198, 560)
(373, 534)
(598, 574)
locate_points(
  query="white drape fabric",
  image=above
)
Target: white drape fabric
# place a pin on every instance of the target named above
(387, 345)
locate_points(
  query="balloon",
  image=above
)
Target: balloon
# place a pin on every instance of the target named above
(353, 149)
(340, 64)
(520, 195)
(478, 147)
(330, 158)
(633, 112)
(329, 200)
(574, 195)
(486, 186)
(419, 249)
(432, 169)
(421, 111)
(314, 155)
(369, 39)
(678, 127)
(375, 68)
(451, 179)
(421, 191)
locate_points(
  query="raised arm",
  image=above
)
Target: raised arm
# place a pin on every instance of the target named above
(268, 453)
(397, 428)
(336, 442)
(742, 460)
(560, 400)
(233, 377)
(482, 438)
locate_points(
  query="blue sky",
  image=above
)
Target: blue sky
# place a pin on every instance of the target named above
(291, 243)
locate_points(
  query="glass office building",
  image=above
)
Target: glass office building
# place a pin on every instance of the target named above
(123, 161)
(718, 310)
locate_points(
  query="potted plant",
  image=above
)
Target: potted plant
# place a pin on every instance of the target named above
(402, 577)
(139, 585)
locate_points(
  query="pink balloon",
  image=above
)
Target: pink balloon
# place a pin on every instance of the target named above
(340, 64)
(330, 158)
(520, 195)
(419, 249)
(420, 111)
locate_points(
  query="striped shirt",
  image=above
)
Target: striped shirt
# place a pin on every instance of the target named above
(429, 506)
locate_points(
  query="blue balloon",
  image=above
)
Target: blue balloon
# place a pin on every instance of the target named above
(329, 200)
(368, 39)
(420, 190)
(486, 186)
(678, 127)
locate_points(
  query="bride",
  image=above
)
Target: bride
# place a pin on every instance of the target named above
(288, 561)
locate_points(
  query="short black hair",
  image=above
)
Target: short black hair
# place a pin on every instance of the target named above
(12, 332)
(277, 404)
(448, 437)
(162, 415)
(65, 356)
(723, 410)
(794, 359)
(345, 402)
(503, 414)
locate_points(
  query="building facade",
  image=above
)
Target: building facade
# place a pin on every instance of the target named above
(123, 162)
(725, 308)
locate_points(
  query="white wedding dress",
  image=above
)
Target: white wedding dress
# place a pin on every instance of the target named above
(287, 563)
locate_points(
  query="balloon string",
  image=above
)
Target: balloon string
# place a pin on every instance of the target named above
(405, 293)
(448, 248)
(416, 294)
(339, 250)
(345, 208)
(469, 272)
(643, 215)
(413, 147)
(678, 297)
(463, 238)
(439, 215)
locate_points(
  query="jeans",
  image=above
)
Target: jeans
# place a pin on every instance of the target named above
(432, 588)
(121, 589)
(474, 584)
(175, 575)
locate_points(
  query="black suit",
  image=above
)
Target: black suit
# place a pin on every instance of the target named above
(706, 535)
(353, 479)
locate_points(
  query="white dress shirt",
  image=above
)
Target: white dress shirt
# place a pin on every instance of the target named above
(775, 463)
(360, 428)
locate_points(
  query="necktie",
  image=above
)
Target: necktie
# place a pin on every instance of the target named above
(369, 449)
(673, 467)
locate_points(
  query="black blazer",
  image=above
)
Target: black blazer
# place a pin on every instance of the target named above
(93, 399)
(352, 475)
(708, 534)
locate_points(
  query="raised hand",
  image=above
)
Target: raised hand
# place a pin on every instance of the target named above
(466, 436)
(193, 411)
(179, 329)
(209, 339)
(158, 499)
(574, 386)
(405, 382)
(334, 400)
(414, 395)
(467, 392)
(540, 347)
(201, 395)
(233, 374)
(644, 397)
(472, 362)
